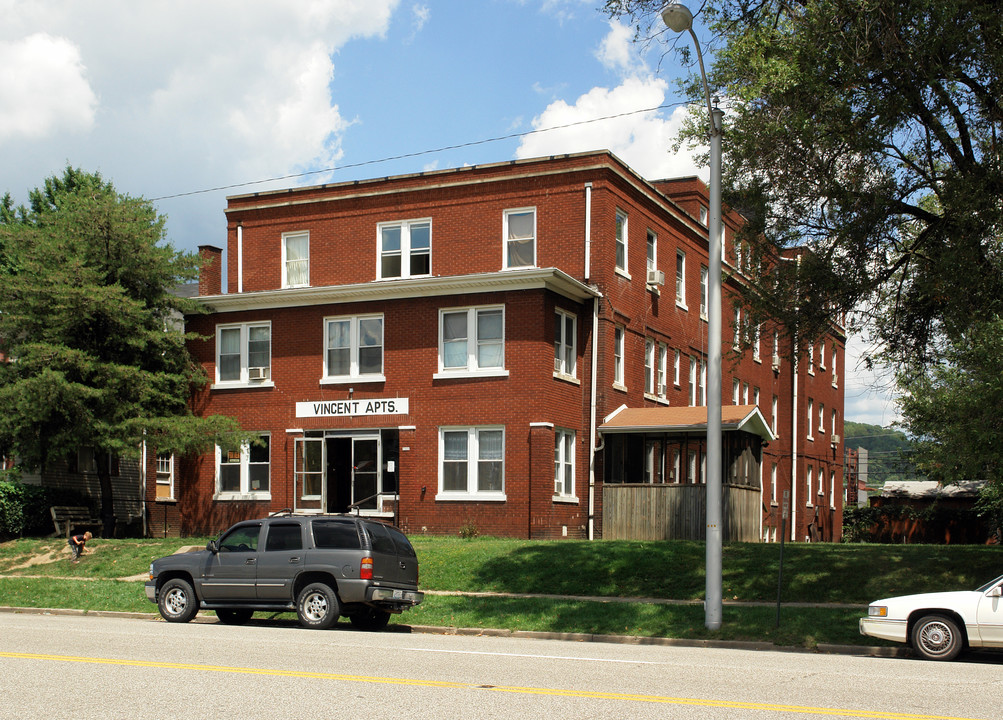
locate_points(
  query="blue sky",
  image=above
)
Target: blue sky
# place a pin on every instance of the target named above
(168, 100)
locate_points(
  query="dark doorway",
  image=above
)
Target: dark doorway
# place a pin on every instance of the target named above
(339, 474)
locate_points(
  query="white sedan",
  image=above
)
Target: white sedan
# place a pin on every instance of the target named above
(940, 625)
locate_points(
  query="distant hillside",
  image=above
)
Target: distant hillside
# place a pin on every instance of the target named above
(886, 451)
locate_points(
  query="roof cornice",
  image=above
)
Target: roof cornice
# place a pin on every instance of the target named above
(505, 281)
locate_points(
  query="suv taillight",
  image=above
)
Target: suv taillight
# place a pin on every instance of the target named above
(366, 570)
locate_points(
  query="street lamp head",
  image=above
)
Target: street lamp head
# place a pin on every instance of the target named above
(677, 17)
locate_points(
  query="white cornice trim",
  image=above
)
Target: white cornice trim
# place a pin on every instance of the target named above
(507, 281)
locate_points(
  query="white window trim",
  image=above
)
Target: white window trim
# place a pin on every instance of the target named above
(704, 291)
(244, 493)
(472, 460)
(354, 375)
(405, 251)
(626, 247)
(562, 372)
(835, 376)
(681, 280)
(286, 236)
(169, 472)
(505, 237)
(675, 367)
(811, 419)
(470, 369)
(244, 381)
(619, 360)
(650, 368)
(567, 495)
(661, 379)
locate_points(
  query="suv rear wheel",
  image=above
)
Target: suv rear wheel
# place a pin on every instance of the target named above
(177, 601)
(317, 606)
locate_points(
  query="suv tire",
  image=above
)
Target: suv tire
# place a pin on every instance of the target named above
(317, 606)
(177, 601)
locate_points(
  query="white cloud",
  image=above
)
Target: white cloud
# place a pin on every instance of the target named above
(642, 140)
(869, 395)
(618, 50)
(43, 88)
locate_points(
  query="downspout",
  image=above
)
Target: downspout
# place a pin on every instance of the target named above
(588, 230)
(142, 484)
(240, 258)
(794, 443)
(593, 448)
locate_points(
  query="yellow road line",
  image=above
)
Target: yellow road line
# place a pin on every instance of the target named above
(553, 692)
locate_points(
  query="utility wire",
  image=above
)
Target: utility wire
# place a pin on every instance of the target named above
(416, 154)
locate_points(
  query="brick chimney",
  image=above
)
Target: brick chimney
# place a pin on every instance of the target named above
(211, 274)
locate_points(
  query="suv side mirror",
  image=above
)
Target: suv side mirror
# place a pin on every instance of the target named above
(212, 546)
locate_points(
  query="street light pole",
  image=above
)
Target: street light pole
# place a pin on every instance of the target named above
(678, 18)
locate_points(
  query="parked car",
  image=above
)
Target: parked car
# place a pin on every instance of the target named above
(940, 625)
(320, 566)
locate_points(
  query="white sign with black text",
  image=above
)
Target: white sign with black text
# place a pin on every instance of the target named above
(352, 408)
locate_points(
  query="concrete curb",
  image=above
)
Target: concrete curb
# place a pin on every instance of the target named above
(827, 649)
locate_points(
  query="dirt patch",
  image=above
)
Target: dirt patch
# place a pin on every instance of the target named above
(41, 559)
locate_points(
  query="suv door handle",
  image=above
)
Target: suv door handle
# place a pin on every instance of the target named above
(250, 561)
(294, 560)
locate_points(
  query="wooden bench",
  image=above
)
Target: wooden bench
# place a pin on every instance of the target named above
(68, 518)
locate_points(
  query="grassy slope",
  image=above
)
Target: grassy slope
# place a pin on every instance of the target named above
(851, 574)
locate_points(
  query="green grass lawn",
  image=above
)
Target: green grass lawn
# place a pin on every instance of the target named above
(38, 573)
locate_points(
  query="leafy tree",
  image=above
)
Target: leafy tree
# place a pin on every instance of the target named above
(92, 332)
(952, 411)
(869, 132)
(889, 452)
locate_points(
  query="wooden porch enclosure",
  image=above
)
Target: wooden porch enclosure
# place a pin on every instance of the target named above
(677, 512)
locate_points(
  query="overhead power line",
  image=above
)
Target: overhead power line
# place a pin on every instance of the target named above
(418, 153)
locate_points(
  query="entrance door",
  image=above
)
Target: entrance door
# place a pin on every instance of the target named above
(353, 473)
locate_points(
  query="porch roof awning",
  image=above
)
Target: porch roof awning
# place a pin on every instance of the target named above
(680, 420)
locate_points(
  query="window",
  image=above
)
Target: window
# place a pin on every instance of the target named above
(693, 382)
(735, 390)
(811, 418)
(618, 356)
(703, 215)
(472, 340)
(471, 463)
(691, 465)
(652, 251)
(773, 483)
(776, 348)
(680, 278)
(520, 237)
(564, 464)
(663, 352)
(756, 338)
(649, 366)
(704, 292)
(284, 537)
(703, 382)
(243, 353)
(244, 472)
(353, 348)
(621, 241)
(165, 476)
(811, 359)
(675, 368)
(832, 489)
(737, 341)
(565, 341)
(774, 412)
(821, 356)
(832, 425)
(808, 478)
(755, 396)
(295, 259)
(821, 419)
(835, 376)
(745, 393)
(821, 485)
(405, 249)
(676, 459)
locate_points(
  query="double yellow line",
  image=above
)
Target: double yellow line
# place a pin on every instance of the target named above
(552, 692)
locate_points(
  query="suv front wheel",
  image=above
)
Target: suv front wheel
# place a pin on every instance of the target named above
(177, 601)
(317, 606)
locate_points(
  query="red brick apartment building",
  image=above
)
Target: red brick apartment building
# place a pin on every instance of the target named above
(504, 349)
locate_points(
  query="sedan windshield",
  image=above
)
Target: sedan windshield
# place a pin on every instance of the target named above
(990, 584)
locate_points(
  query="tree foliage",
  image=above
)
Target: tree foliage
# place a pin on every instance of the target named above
(867, 131)
(91, 331)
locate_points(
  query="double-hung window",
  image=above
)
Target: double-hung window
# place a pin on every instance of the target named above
(649, 366)
(295, 259)
(621, 241)
(472, 463)
(663, 353)
(565, 350)
(244, 473)
(681, 278)
(165, 476)
(618, 332)
(520, 237)
(564, 464)
(472, 341)
(405, 249)
(353, 348)
(243, 353)
(704, 291)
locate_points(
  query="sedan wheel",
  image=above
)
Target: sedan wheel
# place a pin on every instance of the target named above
(317, 606)
(936, 637)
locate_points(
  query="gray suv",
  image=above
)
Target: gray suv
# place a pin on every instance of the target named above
(320, 566)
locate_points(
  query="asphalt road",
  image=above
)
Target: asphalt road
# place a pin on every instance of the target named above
(99, 667)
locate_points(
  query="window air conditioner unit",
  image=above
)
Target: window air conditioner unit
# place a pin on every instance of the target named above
(776, 363)
(834, 440)
(257, 373)
(656, 277)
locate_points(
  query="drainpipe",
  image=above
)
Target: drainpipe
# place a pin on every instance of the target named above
(588, 230)
(240, 258)
(794, 443)
(593, 449)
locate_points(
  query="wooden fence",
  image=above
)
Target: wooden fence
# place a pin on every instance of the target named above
(677, 512)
